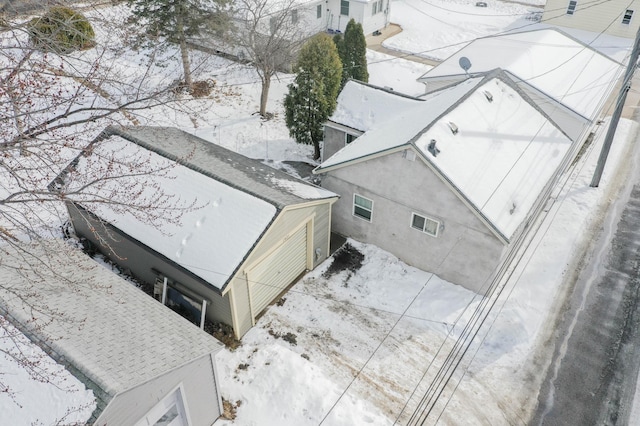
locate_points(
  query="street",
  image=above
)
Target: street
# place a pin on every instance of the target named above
(592, 376)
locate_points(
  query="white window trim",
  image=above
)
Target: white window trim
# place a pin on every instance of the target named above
(155, 413)
(353, 208)
(426, 218)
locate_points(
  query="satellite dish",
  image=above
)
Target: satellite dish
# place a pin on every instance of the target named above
(465, 63)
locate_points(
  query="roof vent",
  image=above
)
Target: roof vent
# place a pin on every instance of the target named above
(432, 148)
(453, 127)
(513, 208)
(488, 95)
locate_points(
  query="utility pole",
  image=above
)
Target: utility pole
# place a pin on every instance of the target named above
(617, 112)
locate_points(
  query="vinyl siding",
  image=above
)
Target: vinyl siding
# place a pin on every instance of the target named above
(286, 222)
(200, 393)
(272, 275)
(595, 17)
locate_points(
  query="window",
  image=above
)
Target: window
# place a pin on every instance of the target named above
(294, 16)
(349, 138)
(180, 299)
(319, 11)
(171, 411)
(272, 24)
(362, 207)
(572, 7)
(376, 7)
(344, 7)
(425, 224)
(626, 19)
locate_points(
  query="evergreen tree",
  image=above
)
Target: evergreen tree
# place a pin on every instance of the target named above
(353, 53)
(176, 20)
(312, 95)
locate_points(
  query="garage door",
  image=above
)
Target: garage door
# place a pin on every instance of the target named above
(272, 275)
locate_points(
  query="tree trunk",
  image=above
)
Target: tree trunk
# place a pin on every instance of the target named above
(184, 53)
(316, 150)
(186, 66)
(264, 94)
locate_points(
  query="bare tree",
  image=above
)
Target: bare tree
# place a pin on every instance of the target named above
(52, 105)
(270, 34)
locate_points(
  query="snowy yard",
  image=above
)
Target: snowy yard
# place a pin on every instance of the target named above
(358, 337)
(357, 347)
(354, 347)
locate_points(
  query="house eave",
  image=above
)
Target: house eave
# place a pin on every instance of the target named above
(319, 170)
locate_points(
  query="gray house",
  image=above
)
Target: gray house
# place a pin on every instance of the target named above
(144, 363)
(446, 183)
(252, 232)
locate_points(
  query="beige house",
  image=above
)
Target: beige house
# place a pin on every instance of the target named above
(614, 17)
(254, 230)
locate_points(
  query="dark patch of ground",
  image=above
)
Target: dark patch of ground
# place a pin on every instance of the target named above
(347, 258)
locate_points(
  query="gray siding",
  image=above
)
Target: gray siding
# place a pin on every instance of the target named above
(465, 251)
(141, 261)
(200, 394)
(334, 140)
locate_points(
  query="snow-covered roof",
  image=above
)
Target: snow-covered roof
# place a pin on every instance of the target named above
(502, 155)
(106, 328)
(362, 105)
(560, 66)
(235, 198)
(399, 127)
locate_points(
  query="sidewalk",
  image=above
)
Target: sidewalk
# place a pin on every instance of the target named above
(374, 42)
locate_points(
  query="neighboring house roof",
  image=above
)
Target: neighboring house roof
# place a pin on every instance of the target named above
(102, 326)
(503, 152)
(236, 198)
(555, 63)
(362, 105)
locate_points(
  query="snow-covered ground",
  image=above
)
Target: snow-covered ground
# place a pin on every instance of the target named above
(38, 391)
(438, 28)
(360, 343)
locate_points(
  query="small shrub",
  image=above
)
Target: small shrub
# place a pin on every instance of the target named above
(202, 88)
(61, 30)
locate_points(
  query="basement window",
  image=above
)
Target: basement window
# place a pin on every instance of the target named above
(626, 19)
(362, 207)
(572, 7)
(425, 224)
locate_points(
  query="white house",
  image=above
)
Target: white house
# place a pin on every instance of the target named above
(143, 362)
(253, 231)
(614, 17)
(372, 14)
